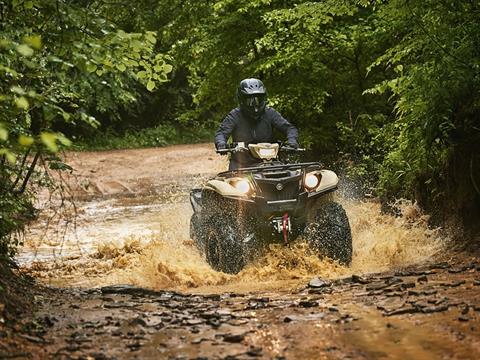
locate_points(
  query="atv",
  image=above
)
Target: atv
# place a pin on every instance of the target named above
(238, 213)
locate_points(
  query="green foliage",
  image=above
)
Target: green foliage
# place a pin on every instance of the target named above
(61, 65)
(161, 135)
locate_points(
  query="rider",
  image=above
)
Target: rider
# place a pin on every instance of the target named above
(253, 122)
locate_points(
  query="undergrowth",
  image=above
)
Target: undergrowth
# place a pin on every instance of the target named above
(162, 135)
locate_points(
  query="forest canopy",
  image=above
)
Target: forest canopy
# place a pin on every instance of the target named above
(391, 87)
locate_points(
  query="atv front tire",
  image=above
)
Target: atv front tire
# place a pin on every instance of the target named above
(330, 233)
(225, 249)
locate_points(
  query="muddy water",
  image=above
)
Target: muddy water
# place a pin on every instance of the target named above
(145, 241)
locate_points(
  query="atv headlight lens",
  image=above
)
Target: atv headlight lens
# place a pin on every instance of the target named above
(242, 186)
(311, 181)
(267, 152)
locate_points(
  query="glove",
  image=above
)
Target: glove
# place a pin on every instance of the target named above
(292, 144)
(221, 146)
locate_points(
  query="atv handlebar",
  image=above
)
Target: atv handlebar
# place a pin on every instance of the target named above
(236, 149)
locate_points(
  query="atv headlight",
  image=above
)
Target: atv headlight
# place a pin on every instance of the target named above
(242, 186)
(311, 181)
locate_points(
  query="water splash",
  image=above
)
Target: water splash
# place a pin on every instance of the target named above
(167, 259)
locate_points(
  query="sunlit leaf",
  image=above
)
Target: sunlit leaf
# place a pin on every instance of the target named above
(121, 67)
(64, 140)
(91, 67)
(49, 140)
(24, 50)
(25, 140)
(34, 41)
(3, 134)
(150, 85)
(22, 103)
(11, 158)
(17, 90)
(167, 68)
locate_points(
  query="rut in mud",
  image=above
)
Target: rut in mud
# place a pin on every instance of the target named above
(133, 228)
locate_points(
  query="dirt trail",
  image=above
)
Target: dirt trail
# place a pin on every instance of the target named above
(403, 298)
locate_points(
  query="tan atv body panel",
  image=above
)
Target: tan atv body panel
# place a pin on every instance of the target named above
(329, 181)
(223, 188)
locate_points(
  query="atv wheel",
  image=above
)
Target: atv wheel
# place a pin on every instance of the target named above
(225, 249)
(198, 233)
(330, 233)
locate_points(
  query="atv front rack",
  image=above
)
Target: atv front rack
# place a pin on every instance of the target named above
(270, 167)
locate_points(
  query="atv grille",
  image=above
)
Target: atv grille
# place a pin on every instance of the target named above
(271, 193)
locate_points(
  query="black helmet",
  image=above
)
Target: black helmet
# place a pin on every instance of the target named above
(252, 96)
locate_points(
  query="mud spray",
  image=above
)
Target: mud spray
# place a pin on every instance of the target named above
(164, 257)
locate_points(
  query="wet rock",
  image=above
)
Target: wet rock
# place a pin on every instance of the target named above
(254, 351)
(234, 338)
(213, 297)
(401, 311)
(453, 284)
(422, 293)
(237, 322)
(120, 304)
(289, 318)
(434, 309)
(422, 279)
(214, 322)
(476, 282)
(377, 286)
(463, 318)
(465, 310)
(393, 280)
(317, 283)
(308, 303)
(129, 290)
(33, 339)
(333, 309)
(359, 279)
(441, 265)
(194, 321)
(134, 346)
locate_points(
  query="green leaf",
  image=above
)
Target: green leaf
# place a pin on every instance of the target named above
(22, 103)
(150, 85)
(63, 140)
(3, 134)
(91, 67)
(17, 90)
(49, 140)
(25, 140)
(9, 155)
(35, 41)
(167, 68)
(142, 74)
(121, 67)
(24, 50)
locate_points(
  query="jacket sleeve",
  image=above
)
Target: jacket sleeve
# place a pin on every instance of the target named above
(225, 130)
(282, 124)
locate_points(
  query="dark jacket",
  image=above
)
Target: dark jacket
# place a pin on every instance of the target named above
(244, 129)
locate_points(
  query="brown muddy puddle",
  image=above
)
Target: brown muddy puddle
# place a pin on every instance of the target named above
(144, 241)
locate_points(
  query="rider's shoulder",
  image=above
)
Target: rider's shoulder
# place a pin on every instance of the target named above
(269, 111)
(234, 113)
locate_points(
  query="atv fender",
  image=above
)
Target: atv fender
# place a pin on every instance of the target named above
(223, 188)
(328, 181)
